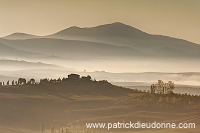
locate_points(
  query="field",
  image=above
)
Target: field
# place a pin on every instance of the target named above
(25, 108)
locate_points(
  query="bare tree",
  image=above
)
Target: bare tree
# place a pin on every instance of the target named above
(162, 87)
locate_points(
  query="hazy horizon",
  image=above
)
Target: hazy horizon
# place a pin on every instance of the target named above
(108, 46)
(78, 62)
(170, 18)
(112, 47)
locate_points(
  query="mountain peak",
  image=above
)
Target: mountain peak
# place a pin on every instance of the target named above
(74, 27)
(19, 36)
(117, 24)
(116, 29)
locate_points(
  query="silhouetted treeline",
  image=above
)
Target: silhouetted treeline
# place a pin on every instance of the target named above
(70, 78)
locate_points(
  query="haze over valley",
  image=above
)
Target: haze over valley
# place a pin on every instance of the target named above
(113, 48)
(81, 66)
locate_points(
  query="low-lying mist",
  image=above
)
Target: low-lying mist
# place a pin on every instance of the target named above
(114, 70)
(122, 65)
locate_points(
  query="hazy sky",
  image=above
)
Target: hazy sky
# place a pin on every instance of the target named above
(176, 18)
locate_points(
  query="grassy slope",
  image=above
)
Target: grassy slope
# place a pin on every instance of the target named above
(29, 106)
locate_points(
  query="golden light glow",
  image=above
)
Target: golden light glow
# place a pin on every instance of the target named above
(41, 17)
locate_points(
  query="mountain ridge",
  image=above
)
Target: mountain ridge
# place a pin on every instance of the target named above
(7, 51)
(91, 41)
(63, 48)
(75, 28)
(21, 64)
(19, 36)
(117, 29)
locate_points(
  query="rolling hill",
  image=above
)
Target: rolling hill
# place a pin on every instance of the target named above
(124, 35)
(23, 65)
(74, 48)
(26, 107)
(11, 52)
(108, 30)
(20, 36)
(45, 103)
(115, 40)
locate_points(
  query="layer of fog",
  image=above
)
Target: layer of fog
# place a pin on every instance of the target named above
(113, 70)
(117, 65)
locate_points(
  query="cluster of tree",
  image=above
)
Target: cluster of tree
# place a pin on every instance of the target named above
(177, 101)
(46, 80)
(20, 81)
(162, 87)
(71, 77)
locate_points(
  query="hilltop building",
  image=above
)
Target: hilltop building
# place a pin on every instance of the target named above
(74, 77)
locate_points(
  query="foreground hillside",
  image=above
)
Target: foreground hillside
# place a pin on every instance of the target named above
(28, 106)
(24, 108)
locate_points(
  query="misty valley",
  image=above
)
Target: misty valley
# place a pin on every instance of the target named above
(108, 73)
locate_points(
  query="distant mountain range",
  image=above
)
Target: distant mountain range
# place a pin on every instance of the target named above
(20, 36)
(114, 40)
(7, 51)
(73, 48)
(24, 65)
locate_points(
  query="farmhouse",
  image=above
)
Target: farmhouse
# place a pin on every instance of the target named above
(74, 77)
